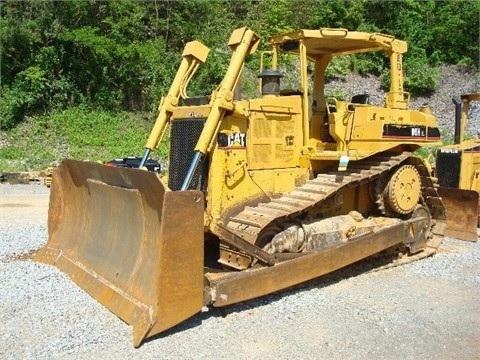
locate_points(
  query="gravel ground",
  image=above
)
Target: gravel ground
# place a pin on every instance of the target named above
(424, 310)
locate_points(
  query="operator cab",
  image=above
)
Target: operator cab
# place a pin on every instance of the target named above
(335, 126)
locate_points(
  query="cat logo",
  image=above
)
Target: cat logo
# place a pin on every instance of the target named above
(234, 140)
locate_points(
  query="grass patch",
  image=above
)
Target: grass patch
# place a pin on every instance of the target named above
(76, 133)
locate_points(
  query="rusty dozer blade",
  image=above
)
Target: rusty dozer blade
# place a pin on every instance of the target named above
(462, 212)
(130, 242)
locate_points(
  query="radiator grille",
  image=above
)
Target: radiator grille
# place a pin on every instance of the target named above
(448, 168)
(183, 138)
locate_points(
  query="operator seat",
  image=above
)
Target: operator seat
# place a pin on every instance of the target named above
(361, 99)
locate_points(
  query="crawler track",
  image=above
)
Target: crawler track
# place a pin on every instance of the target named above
(251, 221)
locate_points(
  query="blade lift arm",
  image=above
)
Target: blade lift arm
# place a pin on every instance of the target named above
(193, 55)
(243, 41)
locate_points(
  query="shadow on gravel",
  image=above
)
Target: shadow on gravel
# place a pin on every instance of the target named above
(372, 264)
(19, 257)
(27, 177)
(14, 205)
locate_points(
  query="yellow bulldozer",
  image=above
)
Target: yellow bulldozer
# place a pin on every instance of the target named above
(458, 170)
(261, 193)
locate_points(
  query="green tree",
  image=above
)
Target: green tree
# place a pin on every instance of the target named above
(456, 32)
(122, 55)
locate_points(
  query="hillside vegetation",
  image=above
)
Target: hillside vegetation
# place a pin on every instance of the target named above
(82, 79)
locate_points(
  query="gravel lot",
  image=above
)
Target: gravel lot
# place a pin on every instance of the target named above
(424, 310)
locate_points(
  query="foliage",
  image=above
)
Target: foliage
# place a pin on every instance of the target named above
(455, 31)
(78, 132)
(121, 55)
(420, 77)
(338, 93)
(338, 67)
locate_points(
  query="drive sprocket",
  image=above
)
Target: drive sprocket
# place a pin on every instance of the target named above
(402, 192)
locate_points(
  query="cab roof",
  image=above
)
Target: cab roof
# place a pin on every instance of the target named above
(336, 41)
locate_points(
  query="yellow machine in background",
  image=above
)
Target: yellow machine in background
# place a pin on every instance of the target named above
(47, 176)
(261, 193)
(458, 172)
